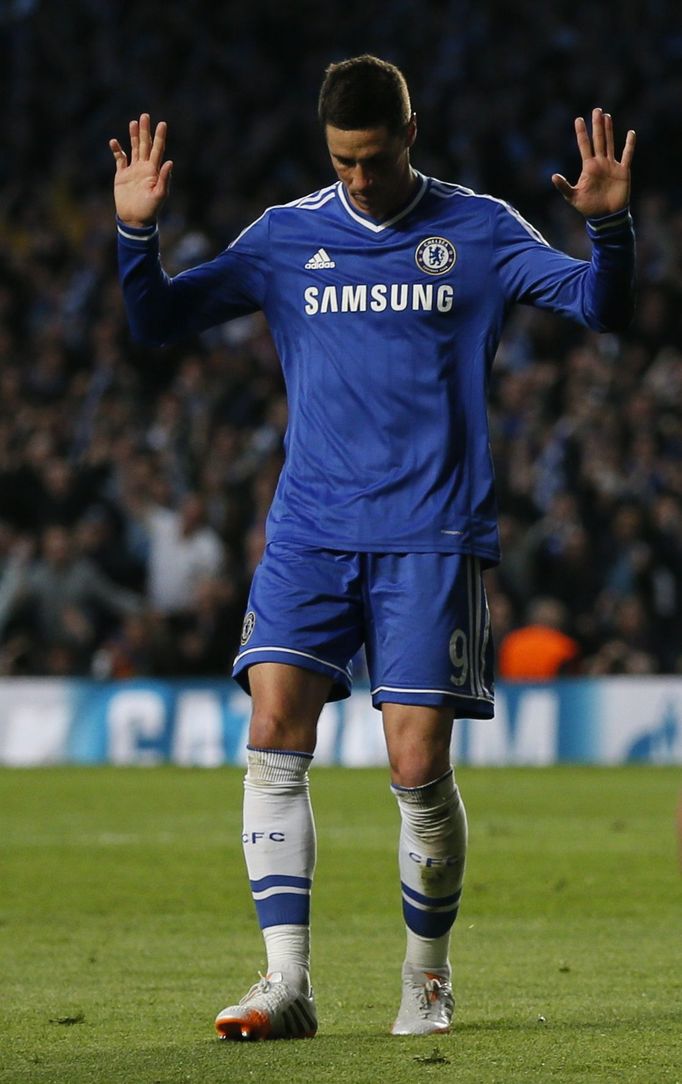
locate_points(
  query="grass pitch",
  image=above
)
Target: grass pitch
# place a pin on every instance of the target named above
(126, 924)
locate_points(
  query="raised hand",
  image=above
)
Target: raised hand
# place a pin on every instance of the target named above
(141, 185)
(603, 186)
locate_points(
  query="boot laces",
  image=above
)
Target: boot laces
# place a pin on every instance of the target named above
(427, 995)
(272, 992)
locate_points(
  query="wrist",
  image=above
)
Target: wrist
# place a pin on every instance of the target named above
(604, 215)
(133, 231)
(136, 223)
(615, 225)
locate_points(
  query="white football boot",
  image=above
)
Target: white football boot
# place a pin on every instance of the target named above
(427, 1003)
(271, 1010)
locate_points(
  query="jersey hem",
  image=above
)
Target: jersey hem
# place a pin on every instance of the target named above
(490, 556)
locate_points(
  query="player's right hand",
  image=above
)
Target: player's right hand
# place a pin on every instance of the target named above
(141, 185)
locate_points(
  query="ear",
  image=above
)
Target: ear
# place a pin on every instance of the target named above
(412, 130)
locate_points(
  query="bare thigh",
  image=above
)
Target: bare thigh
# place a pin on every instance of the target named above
(287, 701)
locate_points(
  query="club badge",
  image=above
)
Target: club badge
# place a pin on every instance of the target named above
(435, 255)
(248, 626)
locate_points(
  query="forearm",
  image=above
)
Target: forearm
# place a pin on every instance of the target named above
(598, 293)
(609, 291)
(161, 309)
(146, 287)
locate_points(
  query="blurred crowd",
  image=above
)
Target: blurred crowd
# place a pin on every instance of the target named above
(134, 483)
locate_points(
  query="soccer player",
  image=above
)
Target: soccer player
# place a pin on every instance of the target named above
(386, 294)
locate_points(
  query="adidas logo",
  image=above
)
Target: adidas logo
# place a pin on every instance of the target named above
(320, 260)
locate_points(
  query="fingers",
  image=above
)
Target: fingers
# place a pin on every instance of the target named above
(142, 147)
(561, 184)
(159, 144)
(602, 131)
(584, 143)
(602, 142)
(145, 136)
(608, 132)
(119, 154)
(140, 138)
(598, 132)
(629, 149)
(163, 183)
(134, 131)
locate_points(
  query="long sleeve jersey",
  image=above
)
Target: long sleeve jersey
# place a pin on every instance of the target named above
(386, 334)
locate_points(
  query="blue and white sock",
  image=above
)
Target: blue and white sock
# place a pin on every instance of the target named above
(432, 856)
(279, 847)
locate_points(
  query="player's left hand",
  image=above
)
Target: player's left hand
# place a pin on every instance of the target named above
(603, 186)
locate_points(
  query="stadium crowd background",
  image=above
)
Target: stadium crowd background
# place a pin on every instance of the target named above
(134, 483)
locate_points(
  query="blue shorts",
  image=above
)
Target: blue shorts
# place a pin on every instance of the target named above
(423, 618)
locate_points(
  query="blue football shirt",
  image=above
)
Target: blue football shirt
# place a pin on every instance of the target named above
(386, 334)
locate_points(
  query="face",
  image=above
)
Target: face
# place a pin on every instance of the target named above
(192, 512)
(56, 545)
(374, 166)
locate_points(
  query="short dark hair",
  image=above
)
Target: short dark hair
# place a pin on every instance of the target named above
(364, 92)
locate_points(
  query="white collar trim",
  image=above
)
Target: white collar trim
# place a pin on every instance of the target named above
(378, 227)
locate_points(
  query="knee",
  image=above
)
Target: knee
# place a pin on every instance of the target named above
(418, 743)
(418, 770)
(287, 702)
(416, 762)
(273, 728)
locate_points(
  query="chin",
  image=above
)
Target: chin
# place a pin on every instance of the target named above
(370, 208)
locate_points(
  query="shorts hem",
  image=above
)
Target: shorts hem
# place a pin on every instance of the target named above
(463, 707)
(340, 690)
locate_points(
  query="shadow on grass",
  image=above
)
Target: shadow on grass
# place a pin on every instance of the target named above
(333, 1057)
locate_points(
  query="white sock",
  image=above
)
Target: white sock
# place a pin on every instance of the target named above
(279, 847)
(432, 855)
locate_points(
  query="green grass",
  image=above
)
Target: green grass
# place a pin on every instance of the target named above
(125, 924)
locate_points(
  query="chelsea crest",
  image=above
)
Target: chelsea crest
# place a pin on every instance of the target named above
(435, 255)
(247, 627)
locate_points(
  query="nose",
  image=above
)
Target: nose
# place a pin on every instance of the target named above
(362, 179)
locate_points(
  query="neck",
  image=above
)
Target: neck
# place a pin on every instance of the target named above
(410, 186)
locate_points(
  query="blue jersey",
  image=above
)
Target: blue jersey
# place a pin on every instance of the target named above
(386, 334)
